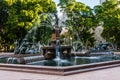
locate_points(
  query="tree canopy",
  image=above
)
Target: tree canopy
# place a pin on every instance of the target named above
(109, 13)
(80, 19)
(18, 16)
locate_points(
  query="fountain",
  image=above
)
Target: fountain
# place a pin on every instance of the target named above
(56, 46)
(66, 58)
(103, 49)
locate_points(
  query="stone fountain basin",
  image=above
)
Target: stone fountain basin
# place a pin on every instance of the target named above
(22, 58)
(60, 70)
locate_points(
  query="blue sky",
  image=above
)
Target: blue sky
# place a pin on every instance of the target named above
(90, 3)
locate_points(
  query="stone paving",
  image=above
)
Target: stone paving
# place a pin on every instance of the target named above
(104, 74)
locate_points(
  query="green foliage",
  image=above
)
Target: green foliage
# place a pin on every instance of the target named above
(109, 13)
(20, 16)
(81, 20)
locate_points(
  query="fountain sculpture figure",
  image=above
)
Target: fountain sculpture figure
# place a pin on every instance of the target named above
(26, 47)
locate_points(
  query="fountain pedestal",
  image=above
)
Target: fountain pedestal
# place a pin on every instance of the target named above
(51, 50)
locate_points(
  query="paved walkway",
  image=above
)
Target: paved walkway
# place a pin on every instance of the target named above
(104, 74)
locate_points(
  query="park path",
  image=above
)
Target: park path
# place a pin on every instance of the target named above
(104, 74)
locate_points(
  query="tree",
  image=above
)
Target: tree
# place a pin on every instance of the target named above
(109, 13)
(22, 15)
(3, 20)
(80, 20)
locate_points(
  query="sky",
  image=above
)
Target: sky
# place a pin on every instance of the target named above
(90, 3)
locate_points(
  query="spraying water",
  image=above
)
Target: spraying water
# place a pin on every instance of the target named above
(29, 43)
(57, 49)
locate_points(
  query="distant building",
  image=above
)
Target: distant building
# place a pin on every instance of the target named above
(101, 1)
